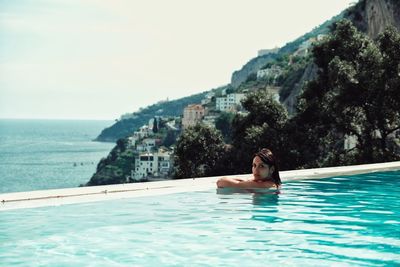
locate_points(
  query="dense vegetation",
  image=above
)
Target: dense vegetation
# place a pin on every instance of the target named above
(195, 154)
(116, 167)
(356, 93)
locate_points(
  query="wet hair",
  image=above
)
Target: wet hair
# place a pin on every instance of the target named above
(268, 158)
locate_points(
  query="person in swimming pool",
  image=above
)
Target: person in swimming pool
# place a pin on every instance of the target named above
(265, 173)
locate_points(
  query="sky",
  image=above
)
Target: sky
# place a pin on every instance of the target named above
(99, 59)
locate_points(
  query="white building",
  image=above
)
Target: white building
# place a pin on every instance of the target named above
(147, 144)
(229, 102)
(150, 143)
(350, 141)
(151, 124)
(143, 132)
(152, 164)
(207, 99)
(132, 140)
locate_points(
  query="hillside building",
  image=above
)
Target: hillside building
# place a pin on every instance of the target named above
(229, 103)
(192, 114)
(157, 164)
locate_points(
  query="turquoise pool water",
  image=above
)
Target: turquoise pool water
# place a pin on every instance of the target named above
(341, 221)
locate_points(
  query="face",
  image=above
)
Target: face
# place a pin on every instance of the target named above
(260, 169)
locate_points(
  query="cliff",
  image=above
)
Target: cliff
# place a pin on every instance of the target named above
(257, 63)
(290, 102)
(370, 17)
(373, 16)
(250, 67)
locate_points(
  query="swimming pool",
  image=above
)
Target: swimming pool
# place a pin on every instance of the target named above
(351, 220)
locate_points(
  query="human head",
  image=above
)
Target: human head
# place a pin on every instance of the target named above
(268, 166)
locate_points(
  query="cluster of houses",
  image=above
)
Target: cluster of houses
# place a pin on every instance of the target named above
(151, 159)
(195, 113)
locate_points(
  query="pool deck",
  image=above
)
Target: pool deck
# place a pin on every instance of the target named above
(55, 197)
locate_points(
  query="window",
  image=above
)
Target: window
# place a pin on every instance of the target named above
(165, 164)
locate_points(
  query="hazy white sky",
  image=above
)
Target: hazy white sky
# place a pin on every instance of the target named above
(98, 59)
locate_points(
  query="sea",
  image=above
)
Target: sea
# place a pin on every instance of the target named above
(49, 154)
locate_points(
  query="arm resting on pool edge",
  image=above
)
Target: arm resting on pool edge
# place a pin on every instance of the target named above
(240, 183)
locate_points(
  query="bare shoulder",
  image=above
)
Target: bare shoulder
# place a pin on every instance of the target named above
(230, 181)
(237, 182)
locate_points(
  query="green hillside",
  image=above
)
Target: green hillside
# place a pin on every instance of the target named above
(125, 127)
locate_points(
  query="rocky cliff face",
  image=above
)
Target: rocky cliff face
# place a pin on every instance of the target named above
(369, 16)
(310, 73)
(252, 66)
(379, 15)
(373, 16)
(257, 63)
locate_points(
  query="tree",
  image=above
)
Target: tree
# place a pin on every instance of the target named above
(389, 111)
(155, 125)
(199, 151)
(224, 124)
(263, 126)
(356, 93)
(170, 138)
(229, 90)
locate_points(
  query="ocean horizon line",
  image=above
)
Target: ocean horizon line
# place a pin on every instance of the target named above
(58, 119)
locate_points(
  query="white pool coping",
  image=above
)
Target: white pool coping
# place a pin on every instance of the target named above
(55, 197)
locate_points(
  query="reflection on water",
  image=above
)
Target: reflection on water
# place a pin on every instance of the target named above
(232, 191)
(264, 202)
(265, 206)
(266, 199)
